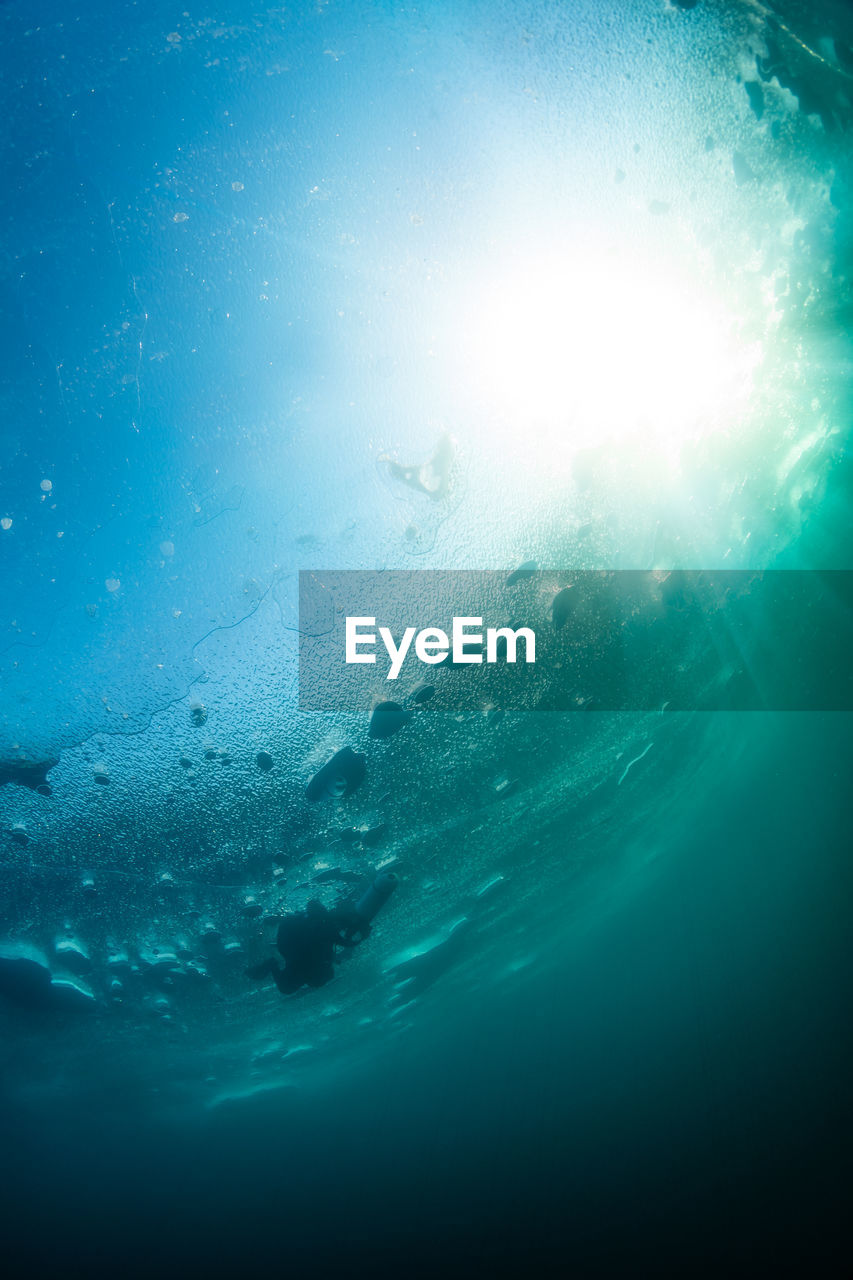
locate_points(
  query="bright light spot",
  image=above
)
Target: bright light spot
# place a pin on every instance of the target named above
(582, 351)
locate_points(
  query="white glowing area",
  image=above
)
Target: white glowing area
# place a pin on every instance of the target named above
(591, 349)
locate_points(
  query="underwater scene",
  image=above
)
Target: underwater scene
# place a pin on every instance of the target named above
(326, 326)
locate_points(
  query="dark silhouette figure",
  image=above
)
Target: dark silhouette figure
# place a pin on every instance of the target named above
(308, 940)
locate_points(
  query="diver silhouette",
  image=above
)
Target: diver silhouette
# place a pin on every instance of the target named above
(308, 940)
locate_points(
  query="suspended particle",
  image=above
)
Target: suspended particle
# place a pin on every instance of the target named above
(387, 718)
(562, 607)
(525, 570)
(340, 777)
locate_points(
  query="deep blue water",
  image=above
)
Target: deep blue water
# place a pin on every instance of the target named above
(368, 286)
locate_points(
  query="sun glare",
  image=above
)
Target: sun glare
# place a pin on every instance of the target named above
(589, 351)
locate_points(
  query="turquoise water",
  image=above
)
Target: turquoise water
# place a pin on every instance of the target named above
(362, 286)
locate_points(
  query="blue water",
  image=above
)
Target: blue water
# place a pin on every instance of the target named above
(584, 269)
